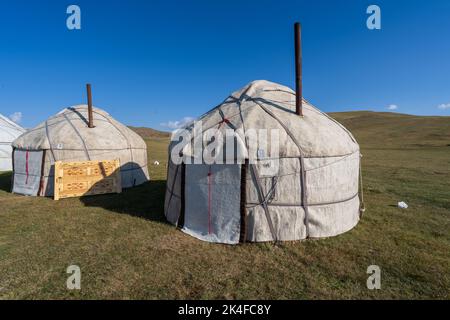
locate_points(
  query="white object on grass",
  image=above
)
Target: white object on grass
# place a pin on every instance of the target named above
(156, 163)
(402, 205)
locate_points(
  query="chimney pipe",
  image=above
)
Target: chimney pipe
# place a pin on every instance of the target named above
(298, 69)
(90, 116)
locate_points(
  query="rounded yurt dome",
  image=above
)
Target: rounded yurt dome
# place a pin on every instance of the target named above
(313, 191)
(9, 131)
(67, 137)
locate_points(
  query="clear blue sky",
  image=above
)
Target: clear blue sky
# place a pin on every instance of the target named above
(151, 62)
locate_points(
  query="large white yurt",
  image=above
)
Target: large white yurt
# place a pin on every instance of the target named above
(9, 131)
(67, 136)
(314, 192)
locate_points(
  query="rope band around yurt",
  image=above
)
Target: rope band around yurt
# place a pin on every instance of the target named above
(302, 166)
(47, 134)
(263, 200)
(86, 152)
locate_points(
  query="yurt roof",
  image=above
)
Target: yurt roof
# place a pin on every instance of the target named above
(9, 130)
(68, 130)
(266, 105)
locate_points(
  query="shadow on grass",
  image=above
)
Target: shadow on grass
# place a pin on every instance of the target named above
(144, 201)
(5, 181)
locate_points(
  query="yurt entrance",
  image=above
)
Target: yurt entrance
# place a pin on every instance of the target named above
(212, 202)
(27, 171)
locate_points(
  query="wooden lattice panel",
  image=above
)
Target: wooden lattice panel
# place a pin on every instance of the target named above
(75, 179)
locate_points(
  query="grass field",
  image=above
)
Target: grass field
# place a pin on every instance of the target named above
(126, 250)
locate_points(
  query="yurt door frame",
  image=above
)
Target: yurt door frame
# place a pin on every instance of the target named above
(27, 174)
(212, 198)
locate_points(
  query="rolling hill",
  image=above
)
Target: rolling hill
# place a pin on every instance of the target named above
(148, 133)
(375, 129)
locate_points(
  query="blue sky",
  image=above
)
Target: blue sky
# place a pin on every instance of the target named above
(152, 62)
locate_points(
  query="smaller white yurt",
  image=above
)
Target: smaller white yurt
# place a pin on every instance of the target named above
(75, 134)
(9, 131)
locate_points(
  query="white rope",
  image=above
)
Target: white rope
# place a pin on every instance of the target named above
(331, 163)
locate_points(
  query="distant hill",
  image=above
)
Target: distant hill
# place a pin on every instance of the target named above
(150, 133)
(387, 129)
(376, 129)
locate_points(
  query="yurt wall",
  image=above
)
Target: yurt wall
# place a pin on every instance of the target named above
(8, 132)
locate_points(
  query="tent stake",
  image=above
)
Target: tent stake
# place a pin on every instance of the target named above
(298, 69)
(89, 96)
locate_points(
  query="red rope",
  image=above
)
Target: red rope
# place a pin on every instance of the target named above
(209, 200)
(26, 167)
(225, 120)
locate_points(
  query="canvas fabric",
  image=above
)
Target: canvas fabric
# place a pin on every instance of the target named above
(212, 202)
(27, 172)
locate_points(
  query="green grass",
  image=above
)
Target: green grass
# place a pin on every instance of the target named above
(126, 250)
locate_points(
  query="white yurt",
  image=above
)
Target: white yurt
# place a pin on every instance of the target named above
(313, 193)
(67, 136)
(9, 131)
